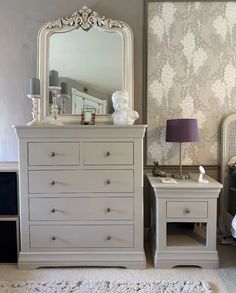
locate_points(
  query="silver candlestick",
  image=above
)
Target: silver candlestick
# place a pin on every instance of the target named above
(63, 97)
(35, 110)
(54, 108)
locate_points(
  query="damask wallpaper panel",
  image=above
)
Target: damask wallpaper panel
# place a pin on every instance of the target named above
(191, 74)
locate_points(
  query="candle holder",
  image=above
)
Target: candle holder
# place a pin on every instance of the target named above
(62, 97)
(35, 110)
(55, 93)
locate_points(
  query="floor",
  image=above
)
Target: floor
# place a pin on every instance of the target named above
(222, 280)
(227, 270)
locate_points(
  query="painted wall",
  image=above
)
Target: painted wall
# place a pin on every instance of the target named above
(191, 73)
(19, 24)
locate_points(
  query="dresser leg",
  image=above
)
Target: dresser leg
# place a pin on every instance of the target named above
(136, 266)
(27, 266)
(172, 264)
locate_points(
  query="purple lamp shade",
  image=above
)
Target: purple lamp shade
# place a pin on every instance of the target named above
(182, 130)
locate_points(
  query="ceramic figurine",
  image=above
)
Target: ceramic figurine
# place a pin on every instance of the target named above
(122, 115)
(156, 170)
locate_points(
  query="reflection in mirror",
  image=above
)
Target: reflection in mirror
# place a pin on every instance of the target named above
(90, 68)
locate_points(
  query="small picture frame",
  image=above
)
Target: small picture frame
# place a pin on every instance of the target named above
(88, 115)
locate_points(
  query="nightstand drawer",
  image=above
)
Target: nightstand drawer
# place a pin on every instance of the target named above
(81, 236)
(108, 153)
(186, 209)
(53, 153)
(83, 209)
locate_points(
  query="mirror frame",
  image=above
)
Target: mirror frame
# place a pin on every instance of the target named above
(84, 18)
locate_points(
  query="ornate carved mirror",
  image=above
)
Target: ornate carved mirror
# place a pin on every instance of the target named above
(92, 56)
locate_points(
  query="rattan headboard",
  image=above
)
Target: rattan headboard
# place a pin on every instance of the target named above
(228, 150)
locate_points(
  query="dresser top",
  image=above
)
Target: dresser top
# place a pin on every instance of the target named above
(73, 130)
(187, 184)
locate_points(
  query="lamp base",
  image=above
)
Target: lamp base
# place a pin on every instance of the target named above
(181, 177)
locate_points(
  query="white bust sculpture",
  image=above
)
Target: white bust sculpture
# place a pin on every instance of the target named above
(122, 115)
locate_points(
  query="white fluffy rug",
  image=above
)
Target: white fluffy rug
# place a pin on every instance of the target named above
(105, 287)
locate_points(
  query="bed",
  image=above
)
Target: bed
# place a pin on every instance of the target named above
(81, 100)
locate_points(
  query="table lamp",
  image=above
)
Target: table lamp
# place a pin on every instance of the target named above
(181, 130)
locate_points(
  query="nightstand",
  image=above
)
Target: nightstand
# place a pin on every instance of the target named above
(183, 222)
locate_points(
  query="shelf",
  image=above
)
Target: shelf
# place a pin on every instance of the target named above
(9, 218)
(9, 241)
(178, 234)
(8, 166)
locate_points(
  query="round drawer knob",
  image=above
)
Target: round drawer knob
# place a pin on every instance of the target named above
(53, 182)
(108, 154)
(53, 211)
(108, 210)
(108, 237)
(53, 237)
(52, 154)
(108, 181)
(186, 211)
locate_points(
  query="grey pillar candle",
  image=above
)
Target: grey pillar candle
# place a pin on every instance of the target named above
(64, 88)
(34, 86)
(53, 78)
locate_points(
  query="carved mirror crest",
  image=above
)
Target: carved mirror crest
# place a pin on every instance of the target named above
(92, 56)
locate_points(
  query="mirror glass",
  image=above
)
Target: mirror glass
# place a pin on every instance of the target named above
(90, 68)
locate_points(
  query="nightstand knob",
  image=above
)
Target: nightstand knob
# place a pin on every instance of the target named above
(108, 210)
(53, 211)
(52, 154)
(108, 181)
(53, 237)
(186, 211)
(53, 182)
(108, 154)
(108, 237)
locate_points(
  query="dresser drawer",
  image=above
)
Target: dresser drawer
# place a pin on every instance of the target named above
(81, 236)
(45, 154)
(69, 181)
(108, 153)
(186, 209)
(69, 209)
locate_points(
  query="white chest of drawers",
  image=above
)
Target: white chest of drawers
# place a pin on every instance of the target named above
(81, 196)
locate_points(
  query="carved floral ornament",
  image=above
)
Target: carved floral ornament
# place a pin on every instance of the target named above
(86, 19)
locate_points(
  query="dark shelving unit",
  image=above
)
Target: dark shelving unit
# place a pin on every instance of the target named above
(9, 218)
